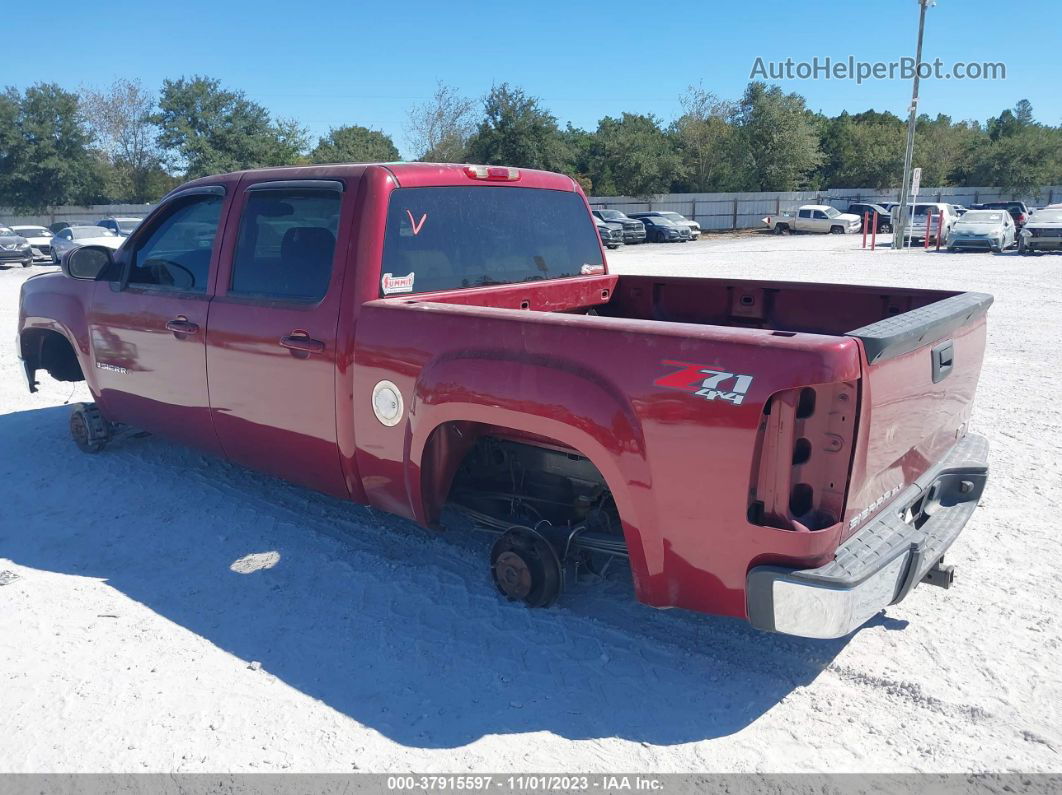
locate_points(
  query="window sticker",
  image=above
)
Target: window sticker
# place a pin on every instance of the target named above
(416, 226)
(590, 270)
(397, 284)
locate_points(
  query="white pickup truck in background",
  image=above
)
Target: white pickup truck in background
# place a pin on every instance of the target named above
(814, 218)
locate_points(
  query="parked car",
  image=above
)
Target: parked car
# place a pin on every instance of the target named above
(74, 236)
(611, 234)
(802, 481)
(58, 226)
(1019, 211)
(633, 230)
(120, 226)
(982, 229)
(864, 210)
(40, 240)
(1042, 232)
(814, 218)
(930, 219)
(663, 230)
(675, 218)
(14, 248)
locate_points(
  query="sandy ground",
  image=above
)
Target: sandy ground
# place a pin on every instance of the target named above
(172, 612)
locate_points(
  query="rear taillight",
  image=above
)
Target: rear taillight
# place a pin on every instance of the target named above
(495, 173)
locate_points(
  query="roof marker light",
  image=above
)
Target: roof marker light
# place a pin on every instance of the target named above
(494, 173)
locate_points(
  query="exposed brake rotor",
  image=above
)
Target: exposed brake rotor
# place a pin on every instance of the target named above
(525, 567)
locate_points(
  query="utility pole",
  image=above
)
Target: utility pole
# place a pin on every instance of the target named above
(900, 225)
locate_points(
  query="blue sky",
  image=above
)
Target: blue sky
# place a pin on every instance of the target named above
(334, 62)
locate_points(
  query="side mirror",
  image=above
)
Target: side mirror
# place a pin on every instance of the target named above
(87, 262)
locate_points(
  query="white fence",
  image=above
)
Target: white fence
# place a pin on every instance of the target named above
(722, 211)
(718, 211)
(70, 214)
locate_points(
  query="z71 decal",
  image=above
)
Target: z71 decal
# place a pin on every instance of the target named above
(710, 383)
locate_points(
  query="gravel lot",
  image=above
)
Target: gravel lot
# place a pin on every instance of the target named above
(172, 612)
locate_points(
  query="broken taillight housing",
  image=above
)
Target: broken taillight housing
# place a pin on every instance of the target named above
(803, 457)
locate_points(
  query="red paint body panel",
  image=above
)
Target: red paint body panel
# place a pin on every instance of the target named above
(590, 363)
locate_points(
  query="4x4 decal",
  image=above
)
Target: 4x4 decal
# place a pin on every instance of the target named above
(710, 383)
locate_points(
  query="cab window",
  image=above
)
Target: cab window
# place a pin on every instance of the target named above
(176, 254)
(286, 244)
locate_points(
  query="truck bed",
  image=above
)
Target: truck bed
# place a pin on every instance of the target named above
(829, 406)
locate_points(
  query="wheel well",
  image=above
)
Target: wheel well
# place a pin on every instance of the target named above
(514, 477)
(44, 349)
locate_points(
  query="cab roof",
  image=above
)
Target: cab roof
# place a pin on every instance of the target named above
(405, 175)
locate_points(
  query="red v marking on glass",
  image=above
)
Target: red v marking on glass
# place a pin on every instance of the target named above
(417, 225)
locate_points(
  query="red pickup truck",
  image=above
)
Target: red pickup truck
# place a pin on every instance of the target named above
(415, 336)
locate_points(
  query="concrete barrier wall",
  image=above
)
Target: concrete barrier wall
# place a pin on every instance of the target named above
(722, 211)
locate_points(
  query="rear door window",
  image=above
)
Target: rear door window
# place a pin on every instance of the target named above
(443, 238)
(286, 244)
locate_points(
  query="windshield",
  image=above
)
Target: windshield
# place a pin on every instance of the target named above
(981, 217)
(82, 232)
(923, 209)
(128, 224)
(33, 231)
(673, 216)
(448, 237)
(611, 215)
(1048, 217)
(832, 212)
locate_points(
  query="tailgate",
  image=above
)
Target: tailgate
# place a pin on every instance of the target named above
(920, 374)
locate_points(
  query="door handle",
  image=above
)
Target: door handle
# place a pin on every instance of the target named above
(181, 325)
(301, 341)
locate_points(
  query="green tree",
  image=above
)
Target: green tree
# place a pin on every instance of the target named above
(120, 118)
(704, 138)
(1021, 162)
(354, 144)
(515, 131)
(439, 129)
(210, 129)
(579, 144)
(942, 148)
(632, 156)
(864, 150)
(46, 157)
(778, 137)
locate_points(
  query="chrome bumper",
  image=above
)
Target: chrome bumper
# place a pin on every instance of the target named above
(882, 562)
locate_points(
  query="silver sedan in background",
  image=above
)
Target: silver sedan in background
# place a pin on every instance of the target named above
(76, 236)
(992, 230)
(1042, 232)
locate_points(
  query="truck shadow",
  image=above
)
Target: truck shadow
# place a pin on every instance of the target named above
(397, 628)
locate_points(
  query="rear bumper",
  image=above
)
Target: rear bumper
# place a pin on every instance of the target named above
(882, 562)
